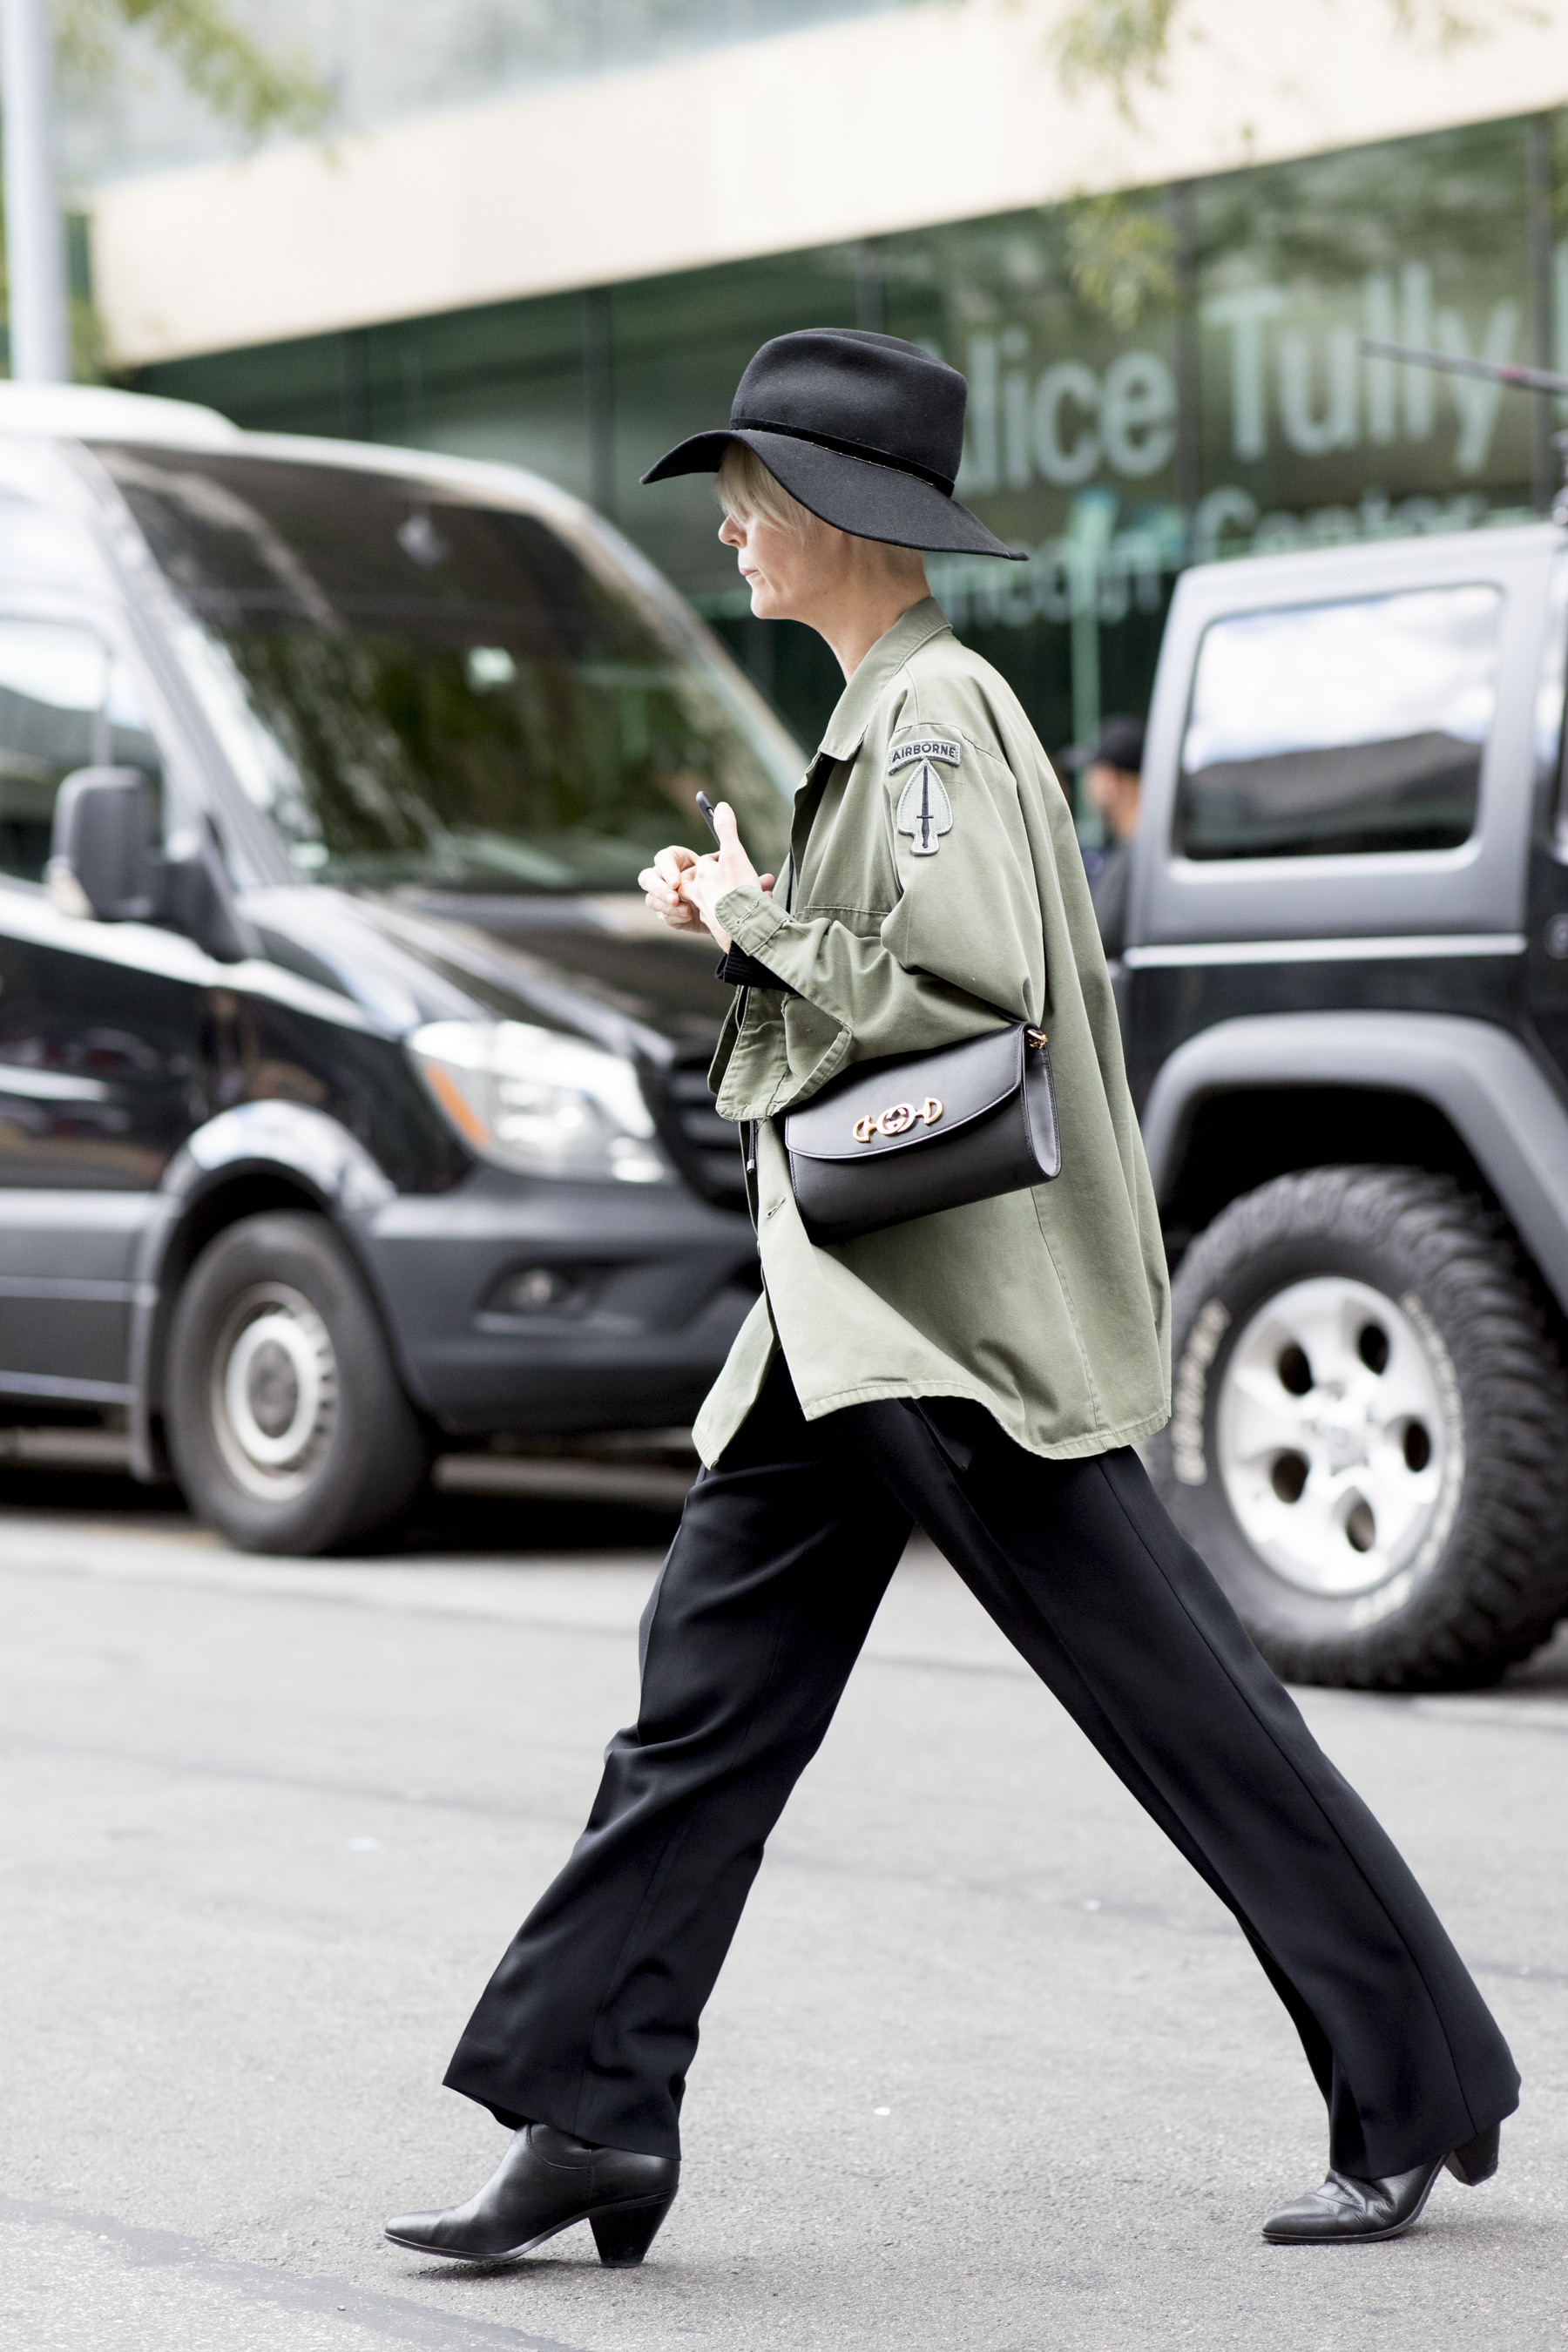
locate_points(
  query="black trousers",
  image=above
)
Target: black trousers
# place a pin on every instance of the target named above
(783, 1554)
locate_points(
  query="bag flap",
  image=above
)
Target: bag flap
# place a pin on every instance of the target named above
(965, 1082)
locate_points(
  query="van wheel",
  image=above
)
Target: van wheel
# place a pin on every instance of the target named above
(287, 1425)
(1368, 1444)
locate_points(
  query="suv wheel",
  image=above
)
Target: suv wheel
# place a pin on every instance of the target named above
(1368, 1444)
(288, 1427)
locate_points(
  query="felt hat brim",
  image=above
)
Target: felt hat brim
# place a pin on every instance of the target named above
(855, 494)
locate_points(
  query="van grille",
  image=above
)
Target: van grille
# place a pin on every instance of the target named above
(705, 1147)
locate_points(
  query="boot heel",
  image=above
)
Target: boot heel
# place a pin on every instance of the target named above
(1476, 2161)
(624, 2233)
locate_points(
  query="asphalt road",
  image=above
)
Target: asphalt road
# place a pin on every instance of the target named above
(989, 2071)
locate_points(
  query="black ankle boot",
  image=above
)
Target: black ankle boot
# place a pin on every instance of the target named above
(1347, 2211)
(546, 2181)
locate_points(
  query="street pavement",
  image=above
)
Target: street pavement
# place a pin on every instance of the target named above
(988, 2071)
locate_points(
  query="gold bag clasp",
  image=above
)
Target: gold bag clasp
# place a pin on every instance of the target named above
(898, 1118)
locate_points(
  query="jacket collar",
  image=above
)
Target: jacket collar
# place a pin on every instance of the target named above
(847, 728)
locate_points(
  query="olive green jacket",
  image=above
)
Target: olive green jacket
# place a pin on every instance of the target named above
(934, 885)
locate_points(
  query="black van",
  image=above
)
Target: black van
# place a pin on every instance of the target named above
(351, 1102)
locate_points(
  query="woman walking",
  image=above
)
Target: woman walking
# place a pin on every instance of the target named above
(982, 1371)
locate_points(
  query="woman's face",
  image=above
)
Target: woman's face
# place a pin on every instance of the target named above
(782, 568)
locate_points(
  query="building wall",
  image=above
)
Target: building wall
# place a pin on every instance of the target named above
(385, 61)
(933, 110)
(1170, 376)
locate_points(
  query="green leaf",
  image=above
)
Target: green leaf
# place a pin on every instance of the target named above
(1119, 45)
(1121, 255)
(256, 88)
(1115, 43)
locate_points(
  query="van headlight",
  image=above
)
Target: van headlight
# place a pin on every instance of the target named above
(540, 1103)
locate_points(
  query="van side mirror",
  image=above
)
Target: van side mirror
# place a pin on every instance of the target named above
(192, 898)
(100, 853)
(103, 864)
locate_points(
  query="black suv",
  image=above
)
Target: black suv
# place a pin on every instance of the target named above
(1345, 1004)
(351, 1102)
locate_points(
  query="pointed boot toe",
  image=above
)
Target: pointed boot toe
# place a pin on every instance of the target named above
(420, 2231)
(1347, 2211)
(546, 2182)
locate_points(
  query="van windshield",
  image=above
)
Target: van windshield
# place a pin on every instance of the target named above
(422, 688)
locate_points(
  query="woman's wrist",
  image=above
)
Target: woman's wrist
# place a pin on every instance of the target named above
(737, 905)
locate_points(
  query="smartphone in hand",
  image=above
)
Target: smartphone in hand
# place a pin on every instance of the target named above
(705, 811)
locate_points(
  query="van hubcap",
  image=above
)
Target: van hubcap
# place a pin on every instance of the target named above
(274, 1391)
(1338, 1436)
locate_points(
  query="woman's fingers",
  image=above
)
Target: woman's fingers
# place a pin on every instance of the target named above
(666, 894)
(681, 889)
(665, 899)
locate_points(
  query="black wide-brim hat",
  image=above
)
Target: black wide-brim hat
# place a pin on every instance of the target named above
(865, 430)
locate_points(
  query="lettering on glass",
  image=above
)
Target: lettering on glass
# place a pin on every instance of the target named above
(1321, 395)
(1289, 375)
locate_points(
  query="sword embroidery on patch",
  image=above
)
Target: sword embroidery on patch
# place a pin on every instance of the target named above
(924, 813)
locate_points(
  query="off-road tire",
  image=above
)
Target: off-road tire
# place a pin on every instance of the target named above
(1499, 1580)
(361, 1455)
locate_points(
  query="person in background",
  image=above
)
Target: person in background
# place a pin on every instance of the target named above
(1113, 787)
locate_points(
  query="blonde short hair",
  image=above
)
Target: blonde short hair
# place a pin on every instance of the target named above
(745, 488)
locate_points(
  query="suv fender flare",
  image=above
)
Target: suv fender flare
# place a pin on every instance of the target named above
(1495, 1095)
(288, 1140)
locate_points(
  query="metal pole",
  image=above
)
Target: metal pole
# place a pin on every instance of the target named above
(34, 232)
(599, 397)
(1184, 241)
(1537, 241)
(1529, 379)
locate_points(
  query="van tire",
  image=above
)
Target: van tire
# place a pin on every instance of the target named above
(1486, 1459)
(287, 1424)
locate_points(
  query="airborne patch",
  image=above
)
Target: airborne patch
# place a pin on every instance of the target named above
(924, 811)
(924, 747)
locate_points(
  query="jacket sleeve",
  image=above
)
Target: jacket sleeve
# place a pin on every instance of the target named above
(960, 950)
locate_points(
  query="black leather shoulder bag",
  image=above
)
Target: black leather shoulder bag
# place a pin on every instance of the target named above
(907, 1135)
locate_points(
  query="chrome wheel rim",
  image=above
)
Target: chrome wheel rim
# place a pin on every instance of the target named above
(273, 1396)
(1339, 1440)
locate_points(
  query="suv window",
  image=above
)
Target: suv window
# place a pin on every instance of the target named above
(64, 704)
(1321, 730)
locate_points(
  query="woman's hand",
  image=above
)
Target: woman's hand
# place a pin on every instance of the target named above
(662, 882)
(683, 889)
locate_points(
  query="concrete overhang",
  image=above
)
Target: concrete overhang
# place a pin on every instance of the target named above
(945, 109)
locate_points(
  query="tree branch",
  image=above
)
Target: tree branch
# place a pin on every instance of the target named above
(256, 88)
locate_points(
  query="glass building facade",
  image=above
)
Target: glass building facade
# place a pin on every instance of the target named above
(1158, 378)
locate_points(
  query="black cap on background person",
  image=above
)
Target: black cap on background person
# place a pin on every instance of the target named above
(1120, 745)
(1112, 771)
